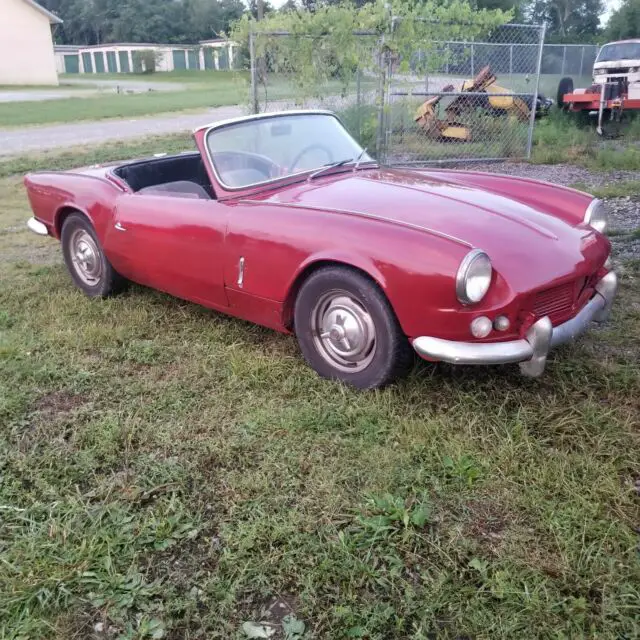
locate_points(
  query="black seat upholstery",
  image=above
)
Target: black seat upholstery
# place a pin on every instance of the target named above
(179, 189)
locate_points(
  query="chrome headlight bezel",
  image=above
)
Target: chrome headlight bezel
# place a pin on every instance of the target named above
(475, 265)
(595, 216)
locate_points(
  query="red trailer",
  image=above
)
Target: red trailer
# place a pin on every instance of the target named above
(615, 88)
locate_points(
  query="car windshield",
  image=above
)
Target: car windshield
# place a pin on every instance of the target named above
(255, 151)
(619, 51)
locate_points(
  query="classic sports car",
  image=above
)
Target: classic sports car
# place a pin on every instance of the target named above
(284, 220)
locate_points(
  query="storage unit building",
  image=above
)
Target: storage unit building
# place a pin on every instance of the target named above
(26, 43)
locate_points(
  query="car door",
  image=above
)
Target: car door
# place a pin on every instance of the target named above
(171, 243)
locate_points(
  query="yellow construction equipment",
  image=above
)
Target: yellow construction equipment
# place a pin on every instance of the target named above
(452, 127)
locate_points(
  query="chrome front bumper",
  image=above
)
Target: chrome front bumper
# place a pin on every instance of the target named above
(530, 351)
(37, 227)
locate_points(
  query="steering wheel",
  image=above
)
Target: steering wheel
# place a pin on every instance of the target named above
(311, 147)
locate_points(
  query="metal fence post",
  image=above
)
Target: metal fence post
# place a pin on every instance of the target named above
(358, 102)
(534, 102)
(564, 57)
(472, 60)
(581, 60)
(510, 59)
(381, 91)
(254, 84)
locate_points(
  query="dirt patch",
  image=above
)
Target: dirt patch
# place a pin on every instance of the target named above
(59, 402)
(277, 609)
(486, 522)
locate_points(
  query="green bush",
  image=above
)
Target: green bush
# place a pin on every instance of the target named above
(145, 61)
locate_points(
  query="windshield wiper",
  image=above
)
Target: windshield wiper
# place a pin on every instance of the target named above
(359, 159)
(326, 167)
(339, 163)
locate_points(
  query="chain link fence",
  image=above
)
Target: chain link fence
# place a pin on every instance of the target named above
(281, 78)
(436, 101)
(465, 101)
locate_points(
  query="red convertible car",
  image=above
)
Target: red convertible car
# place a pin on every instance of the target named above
(284, 220)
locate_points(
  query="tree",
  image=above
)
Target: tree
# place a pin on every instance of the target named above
(88, 22)
(568, 20)
(624, 23)
(324, 44)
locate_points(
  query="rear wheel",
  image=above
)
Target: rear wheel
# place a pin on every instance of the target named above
(88, 265)
(348, 331)
(565, 86)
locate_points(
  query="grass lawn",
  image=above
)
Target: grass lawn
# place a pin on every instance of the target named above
(184, 76)
(215, 89)
(167, 471)
(203, 90)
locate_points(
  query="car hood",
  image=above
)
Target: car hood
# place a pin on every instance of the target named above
(511, 232)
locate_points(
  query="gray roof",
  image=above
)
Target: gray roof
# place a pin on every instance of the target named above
(53, 18)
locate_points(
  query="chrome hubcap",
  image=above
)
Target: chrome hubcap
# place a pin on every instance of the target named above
(343, 331)
(86, 258)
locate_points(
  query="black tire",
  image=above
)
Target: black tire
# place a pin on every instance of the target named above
(97, 278)
(565, 86)
(323, 297)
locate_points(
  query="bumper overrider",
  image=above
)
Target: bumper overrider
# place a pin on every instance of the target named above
(532, 350)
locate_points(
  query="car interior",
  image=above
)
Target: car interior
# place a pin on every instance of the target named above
(182, 176)
(185, 176)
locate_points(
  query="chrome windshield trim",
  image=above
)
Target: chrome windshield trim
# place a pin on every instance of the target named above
(262, 116)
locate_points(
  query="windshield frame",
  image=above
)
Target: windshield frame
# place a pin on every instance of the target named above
(263, 116)
(635, 43)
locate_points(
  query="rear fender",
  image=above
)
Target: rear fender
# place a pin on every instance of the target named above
(53, 196)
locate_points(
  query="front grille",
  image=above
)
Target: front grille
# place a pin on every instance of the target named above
(556, 302)
(618, 70)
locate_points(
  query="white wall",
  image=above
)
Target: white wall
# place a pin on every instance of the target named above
(26, 45)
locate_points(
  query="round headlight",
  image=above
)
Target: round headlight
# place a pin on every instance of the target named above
(474, 277)
(595, 216)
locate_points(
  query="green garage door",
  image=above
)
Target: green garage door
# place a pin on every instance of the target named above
(99, 60)
(194, 59)
(179, 60)
(208, 58)
(112, 65)
(124, 61)
(223, 58)
(71, 64)
(86, 62)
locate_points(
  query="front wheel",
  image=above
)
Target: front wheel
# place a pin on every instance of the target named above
(85, 259)
(348, 331)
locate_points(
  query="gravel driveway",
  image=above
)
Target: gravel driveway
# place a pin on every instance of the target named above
(30, 139)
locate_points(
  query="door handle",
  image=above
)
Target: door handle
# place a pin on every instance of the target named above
(119, 227)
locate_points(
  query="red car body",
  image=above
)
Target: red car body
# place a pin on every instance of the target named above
(247, 251)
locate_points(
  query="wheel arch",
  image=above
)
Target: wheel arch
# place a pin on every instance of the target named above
(63, 212)
(362, 266)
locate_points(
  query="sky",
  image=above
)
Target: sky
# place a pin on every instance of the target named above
(610, 7)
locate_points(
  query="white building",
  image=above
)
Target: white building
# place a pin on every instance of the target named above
(130, 57)
(26, 43)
